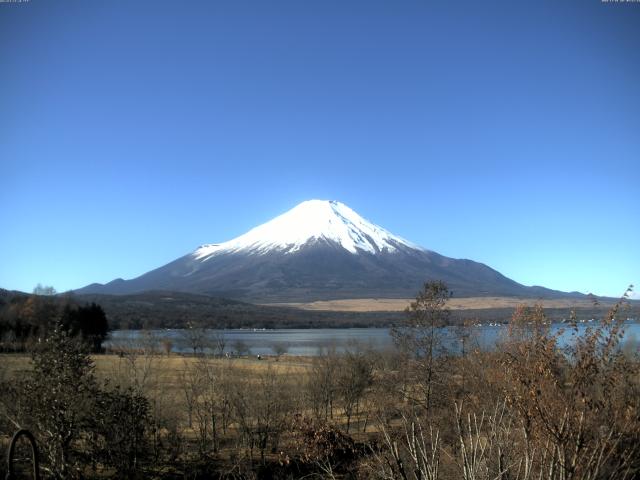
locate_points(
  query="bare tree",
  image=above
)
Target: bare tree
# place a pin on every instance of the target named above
(354, 376)
(419, 335)
(190, 387)
(321, 385)
(241, 347)
(261, 410)
(167, 345)
(408, 453)
(194, 337)
(138, 363)
(218, 343)
(280, 349)
(207, 401)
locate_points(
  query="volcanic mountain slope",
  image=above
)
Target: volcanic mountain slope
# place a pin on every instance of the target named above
(319, 250)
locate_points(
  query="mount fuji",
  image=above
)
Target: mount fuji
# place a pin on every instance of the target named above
(319, 250)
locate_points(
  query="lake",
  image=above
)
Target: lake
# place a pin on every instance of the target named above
(310, 342)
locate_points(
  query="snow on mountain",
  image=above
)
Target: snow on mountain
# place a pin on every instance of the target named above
(313, 220)
(319, 250)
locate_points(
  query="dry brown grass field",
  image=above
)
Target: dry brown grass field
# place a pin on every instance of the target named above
(164, 372)
(168, 380)
(471, 303)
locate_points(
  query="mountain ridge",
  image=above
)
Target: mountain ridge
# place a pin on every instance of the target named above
(319, 250)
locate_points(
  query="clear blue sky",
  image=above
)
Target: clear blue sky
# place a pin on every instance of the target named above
(505, 132)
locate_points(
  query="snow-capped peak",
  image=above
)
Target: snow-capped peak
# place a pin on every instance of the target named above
(311, 220)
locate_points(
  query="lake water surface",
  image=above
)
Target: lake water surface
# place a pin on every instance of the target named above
(309, 342)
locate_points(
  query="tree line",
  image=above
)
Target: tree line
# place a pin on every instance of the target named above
(25, 319)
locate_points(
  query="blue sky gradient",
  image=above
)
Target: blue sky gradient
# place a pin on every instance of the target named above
(506, 132)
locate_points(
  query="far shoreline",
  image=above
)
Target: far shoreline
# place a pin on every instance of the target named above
(382, 305)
